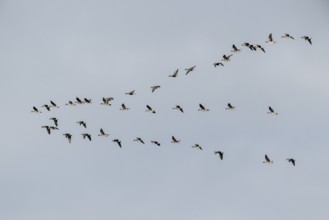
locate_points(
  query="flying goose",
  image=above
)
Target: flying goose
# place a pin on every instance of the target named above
(202, 108)
(270, 39)
(217, 64)
(132, 92)
(55, 121)
(88, 101)
(287, 36)
(174, 140)
(86, 135)
(292, 160)
(250, 46)
(156, 142)
(230, 107)
(267, 160)
(139, 139)
(307, 38)
(260, 47)
(226, 58)
(78, 100)
(102, 133)
(123, 107)
(271, 112)
(179, 108)
(46, 106)
(149, 109)
(174, 75)
(155, 88)
(197, 146)
(35, 110)
(235, 49)
(220, 154)
(188, 70)
(118, 142)
(53, 104)
(106, 101)
(82, 123)
(71, 103)
(49, 128)
(68, 136)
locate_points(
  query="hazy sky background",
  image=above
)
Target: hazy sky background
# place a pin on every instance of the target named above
(59, 50)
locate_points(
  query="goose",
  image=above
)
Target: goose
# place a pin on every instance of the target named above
(46, 106)
(78, 101)
(230, 107)
(179, 108)
(71, 103)
(149, 109)
(86, 135)
(49, 128)
(291, 160)
(202, 108)
(106, 101)
(250, 46)
(174, 75)
(260, 47)
(118, 142)
(132, 92)
(307, 38)
(55, 121)
(82, 123)
(287, 36)
(123, 107)
(155, 88)
(188, 70)
(156, 143)
(270, 39)
(174, 140)
(102, 133)
(197, 146)
(217, 64)
(220, 154)
(139, 139)
(271, 112)
(226, 58)
(35, 110)
(267, 160)
(53, 104)
(235, 49)
(68, 136)
(88, 101)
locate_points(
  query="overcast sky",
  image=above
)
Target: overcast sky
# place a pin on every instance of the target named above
(59, 50)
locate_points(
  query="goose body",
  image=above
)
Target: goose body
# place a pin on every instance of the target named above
(188, 70)
(271, 111)
(230, 107)
(292, 161)
(35, 110)
(197, 146)
(174, 75)
(220, 154)
(149, 109)
(118, 142)
(102, 133)
(177, 107)
(139, 140)
(86, 135)
(156, 143)
(82, 123)
(153, 88)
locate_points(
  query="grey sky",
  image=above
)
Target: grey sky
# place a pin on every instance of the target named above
(58, 50)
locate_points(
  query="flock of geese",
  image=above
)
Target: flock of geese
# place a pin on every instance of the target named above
(107, 102)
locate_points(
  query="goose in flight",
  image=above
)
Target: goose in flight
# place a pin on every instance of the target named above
(132, 92)
(123, 107)
(35, 110)
(86, 135)
(118, 142)
(220, 154)
(202, 108)
(188, 70)
(156, 143)
(106, 101)
(102, 133)
(46, 106)
(217, 64)
(235, 49)
(267, 160)
(82, 123)
(287, 36)
(78, 100)
(226, 58)
(260, 47)
(250, 46)
(49, 128)
(230, 107)
(197, 146)
(53, 104)
(71, 103)
(291, 160)
(88, 101)
(55, 121)
(307, 38)
(153, 88)
(139, 139)
(149, 109)
(179, 108)
(68, 136)
(174, 140)
(174, 75)
(270, 39)
(271, 111)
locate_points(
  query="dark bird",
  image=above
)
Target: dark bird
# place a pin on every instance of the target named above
(287, 36)
(155, 88)
(226, 58)
(271, 112)
(70, 103)
(174, 140)
(78, 101)
(307, 38)
(88, 101)
(292, 160)
(270, 39)
(177, 107)
(118, 142)
(123, 107)
(139, 139)
(174, 75)
(250, 46)
(68, 136)
(46, 106)
(53, 104)
(86, 135)
(149, 109)
(35, 110)
(230, 107)
(188, 70)
(235, 49)
(49, 128)
(267, 160)
(155, 142)
(220, 154)
(202, 108)
(217, 64)
(82, 123)
(55, 121)
(106, 101)
(197, 146)
(260, 47)
(102, 133)
(132, 92)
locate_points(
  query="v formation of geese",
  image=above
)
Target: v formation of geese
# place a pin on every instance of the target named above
(106, 101)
